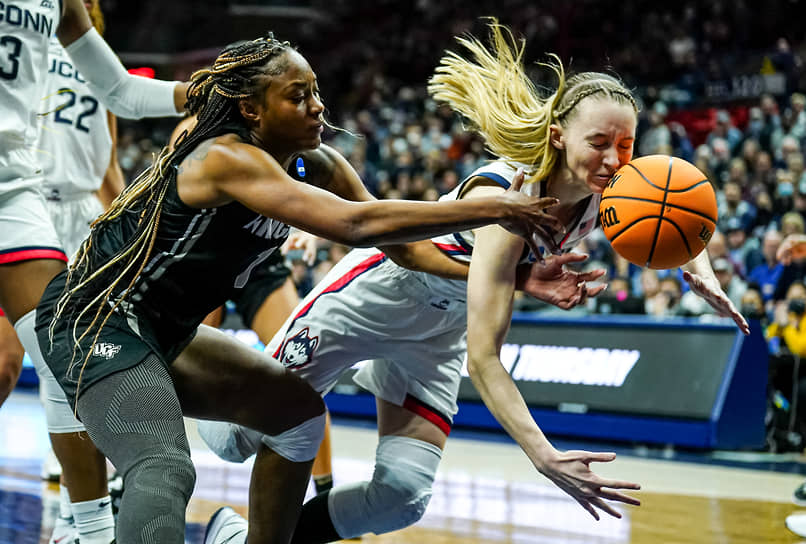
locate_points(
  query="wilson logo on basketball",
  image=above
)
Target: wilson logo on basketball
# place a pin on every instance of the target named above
(608, 217)
(705, 235)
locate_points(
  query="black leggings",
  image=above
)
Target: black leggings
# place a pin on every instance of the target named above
(135, 419)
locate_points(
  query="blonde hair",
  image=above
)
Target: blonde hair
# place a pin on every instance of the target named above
(238, 73)
(493, 92)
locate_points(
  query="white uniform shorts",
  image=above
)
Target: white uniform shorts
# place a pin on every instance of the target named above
(19, 167)
(412, 339)
(72, 217)
(26, 231)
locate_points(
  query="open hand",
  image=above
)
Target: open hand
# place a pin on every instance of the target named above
(571, 472)
(529, 220)
(302, 240)
(551, 282)
(716, 298)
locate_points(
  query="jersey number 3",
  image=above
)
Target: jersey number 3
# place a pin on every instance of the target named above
(10, 65)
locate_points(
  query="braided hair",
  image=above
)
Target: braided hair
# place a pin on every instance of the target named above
(238, 73)
(493, 92)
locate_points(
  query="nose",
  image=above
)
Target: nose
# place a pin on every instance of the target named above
(611, 159)
(315, 105)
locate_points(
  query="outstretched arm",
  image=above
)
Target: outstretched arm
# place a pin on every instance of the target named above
(490, 289)
(700, 277)
(124, 94)
(223, 170)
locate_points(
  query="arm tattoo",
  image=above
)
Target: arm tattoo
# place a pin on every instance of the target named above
(197, 155)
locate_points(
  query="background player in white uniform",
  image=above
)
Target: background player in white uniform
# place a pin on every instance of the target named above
(31, 253)
(77, 145)
(422, 325)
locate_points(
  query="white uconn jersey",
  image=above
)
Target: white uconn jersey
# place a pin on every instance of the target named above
(459, 245)
(26, 27)
(74, 141)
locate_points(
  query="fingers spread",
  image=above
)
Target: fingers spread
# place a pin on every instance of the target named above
(602, 505)
(620, 497)
(599, 457)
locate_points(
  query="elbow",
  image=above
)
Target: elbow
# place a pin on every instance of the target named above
(474, 365)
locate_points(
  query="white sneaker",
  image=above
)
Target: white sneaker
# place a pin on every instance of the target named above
(64, 532)
(226, 527)
(797, 523)
(231, 442)
(51, 469)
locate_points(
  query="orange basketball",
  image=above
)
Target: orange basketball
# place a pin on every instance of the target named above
(658, 211)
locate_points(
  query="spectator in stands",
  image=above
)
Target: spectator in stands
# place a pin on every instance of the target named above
(725, 129)
(792, 223)
(734, 210)
(657, 136)
(752, 304)
(767, 274)
(666, 302)
(681, 143)
(797, 103)
(618, 298)
(771, 121)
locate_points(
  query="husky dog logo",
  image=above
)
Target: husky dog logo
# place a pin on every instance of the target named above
(298, 350)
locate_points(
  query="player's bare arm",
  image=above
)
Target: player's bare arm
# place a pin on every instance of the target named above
(242, 172)
(700, 277)
(490, 285)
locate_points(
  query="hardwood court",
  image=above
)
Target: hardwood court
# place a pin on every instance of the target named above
(486, 492)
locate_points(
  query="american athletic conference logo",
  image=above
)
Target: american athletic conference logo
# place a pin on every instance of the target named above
(105, 350)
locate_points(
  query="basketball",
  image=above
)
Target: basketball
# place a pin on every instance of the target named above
(658, 211)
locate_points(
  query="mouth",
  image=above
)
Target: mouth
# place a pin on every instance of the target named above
(601, 180)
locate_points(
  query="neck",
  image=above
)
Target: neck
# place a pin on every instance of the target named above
(282, 156)
(568, 191)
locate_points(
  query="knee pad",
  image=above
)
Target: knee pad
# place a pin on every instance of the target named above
(397, 495)
(231, 442)
(301, 443)
(59, 415)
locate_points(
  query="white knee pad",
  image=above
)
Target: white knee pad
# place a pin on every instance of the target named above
(300, 443)
(397, 495)
(58, 414)
(231, 442)
(236, 443)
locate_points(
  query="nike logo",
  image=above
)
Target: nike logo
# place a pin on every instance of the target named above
(104, 504)
(57, 540)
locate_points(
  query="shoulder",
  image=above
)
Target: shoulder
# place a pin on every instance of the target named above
(318, 166)
(226, 156)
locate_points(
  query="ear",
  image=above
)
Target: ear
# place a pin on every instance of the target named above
(248, 110)
(556, 136)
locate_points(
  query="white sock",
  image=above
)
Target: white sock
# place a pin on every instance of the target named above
(94, 521)
(65, 509)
